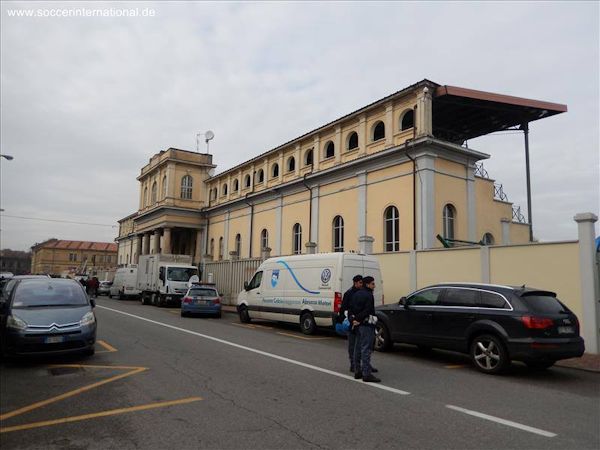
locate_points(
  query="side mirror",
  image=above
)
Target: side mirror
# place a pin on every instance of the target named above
(402, 301)
(93, 302)
(246, 285)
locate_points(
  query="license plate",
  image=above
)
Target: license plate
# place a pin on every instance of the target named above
(54, 339)
(201, 302)
(565, 330)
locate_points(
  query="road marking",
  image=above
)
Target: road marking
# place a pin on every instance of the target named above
(132, 371)
(107, 346)
(243, 325)
(455, 366)
(260, 352)
(174, 311)
(303, 337)
(509, 423)
(110, 412)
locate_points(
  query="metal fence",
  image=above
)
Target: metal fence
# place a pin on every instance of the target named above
(229, 276)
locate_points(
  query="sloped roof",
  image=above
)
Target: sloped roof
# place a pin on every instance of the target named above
(79, 245)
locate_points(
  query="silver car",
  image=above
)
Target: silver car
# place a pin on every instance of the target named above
(47, 315)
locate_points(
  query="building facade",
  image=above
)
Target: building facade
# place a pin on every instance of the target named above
(389, 177)
(68, 258)
(15, 261)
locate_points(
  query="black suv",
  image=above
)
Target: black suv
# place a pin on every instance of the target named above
(494, 324)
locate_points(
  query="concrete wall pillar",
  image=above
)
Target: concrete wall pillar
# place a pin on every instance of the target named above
(146, 243)
(362, 135)
(471, 204)
(505, 230)
(426, 200)
(389, 125)
(314, 207)
(338, 144)
(265, 253)
(166, 243)
(365, 244)
(424, 120)
(226, 237)
(311, 248)
(412, 268)
(485, 264)
(316, 153)
(362, 203)
(278, 224)
(299, 162)
(590, 284)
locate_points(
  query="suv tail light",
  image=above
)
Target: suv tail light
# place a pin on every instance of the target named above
(537, 322)
(337, 302)
(217, 300)
(187, 299)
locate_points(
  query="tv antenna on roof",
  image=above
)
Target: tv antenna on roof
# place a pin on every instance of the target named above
(207, 137)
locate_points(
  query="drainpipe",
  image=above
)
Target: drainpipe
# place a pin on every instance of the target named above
(309, 205)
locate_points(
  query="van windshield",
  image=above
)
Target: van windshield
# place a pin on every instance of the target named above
(181, 273)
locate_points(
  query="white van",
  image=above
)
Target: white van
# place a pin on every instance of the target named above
(305, 289)
(125, 283)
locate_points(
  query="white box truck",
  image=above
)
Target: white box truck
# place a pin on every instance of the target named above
(164, 278)
(125, 283)
(305, 289)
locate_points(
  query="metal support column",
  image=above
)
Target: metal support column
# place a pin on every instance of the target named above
(525, 128)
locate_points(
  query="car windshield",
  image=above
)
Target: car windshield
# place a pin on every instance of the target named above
(181, 273)
(37, 293)
(203, 292)
(543, 303)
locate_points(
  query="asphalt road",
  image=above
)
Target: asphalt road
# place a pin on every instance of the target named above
(160, 381)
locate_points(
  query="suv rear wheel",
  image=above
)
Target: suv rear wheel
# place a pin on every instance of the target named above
(488, 354)
(382, 338)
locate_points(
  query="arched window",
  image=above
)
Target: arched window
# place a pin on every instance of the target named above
(224, 189)
(378, 131)
(154, 192)
(329, 150)
(275, 171)
(449, 216)
(221, 248)
(352, 141)
(247, 181)
(392, 229)
(145, 199)
(261, 176)
(291, 165)
(408, 120)
(212, 247)
(297, 239)
(264, 239)
(236, 185)
(164, 187)
(308, 158)
(338, 234)
(488, 239)
(186, 187)
(238, 245)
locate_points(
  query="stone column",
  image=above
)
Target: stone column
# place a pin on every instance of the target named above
(265, 253)
(139, 248)
(314, 206)
(362, 135)
(426, 200)
(146, 242)
(338, 144)
(389, 125)
(198, 251)
(590, 289)
(471, 205)
(311, 248)
(166, 243)
(157, 241)
(316, 153)
(362, 203)
(299, 162)
(281, 167)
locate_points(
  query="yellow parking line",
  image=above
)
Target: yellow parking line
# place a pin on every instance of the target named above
(133, 371)
(243, 325)
(107, 346)
(455, 366)
(110, 412)
(302, 337)
(174, 311)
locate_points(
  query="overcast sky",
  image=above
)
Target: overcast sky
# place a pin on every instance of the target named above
(86, 101)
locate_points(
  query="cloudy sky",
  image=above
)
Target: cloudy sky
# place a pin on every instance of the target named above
(85, 101)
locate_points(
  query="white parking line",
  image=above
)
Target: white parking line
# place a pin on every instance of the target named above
(508, 423)
(260, 352)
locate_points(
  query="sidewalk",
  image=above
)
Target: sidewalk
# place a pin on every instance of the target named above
(587, 362)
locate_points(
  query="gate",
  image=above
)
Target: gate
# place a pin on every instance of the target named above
(229, 276)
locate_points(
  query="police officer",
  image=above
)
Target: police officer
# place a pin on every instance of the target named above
(356, 286)
(362, 309)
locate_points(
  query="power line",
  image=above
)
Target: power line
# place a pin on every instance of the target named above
(58, 220)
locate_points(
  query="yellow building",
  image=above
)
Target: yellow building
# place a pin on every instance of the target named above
(60, 257)
(388, 177)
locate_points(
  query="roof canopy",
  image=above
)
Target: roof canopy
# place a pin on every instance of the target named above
(460, 114)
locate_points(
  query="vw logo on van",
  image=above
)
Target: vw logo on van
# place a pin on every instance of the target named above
(325, 276)
(274, 278)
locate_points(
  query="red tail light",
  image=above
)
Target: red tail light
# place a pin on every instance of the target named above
(187, 300)
(217, 301)
(536, 322)
(337, 302)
